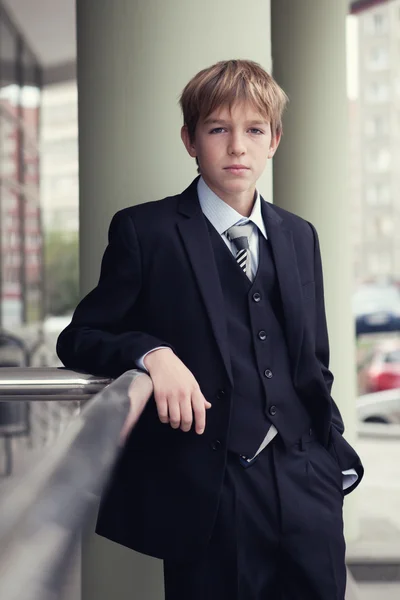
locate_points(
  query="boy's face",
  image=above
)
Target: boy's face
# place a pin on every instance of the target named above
(227, 140)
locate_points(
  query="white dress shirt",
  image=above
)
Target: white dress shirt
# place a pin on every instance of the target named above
(222, 217)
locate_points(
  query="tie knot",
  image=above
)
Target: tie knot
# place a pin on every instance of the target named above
(239, 235)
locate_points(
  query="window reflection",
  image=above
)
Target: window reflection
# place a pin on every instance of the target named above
(21, 264)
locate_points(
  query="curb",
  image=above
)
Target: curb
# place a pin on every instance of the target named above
(378, 430)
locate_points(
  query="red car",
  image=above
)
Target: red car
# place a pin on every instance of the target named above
(380, 370)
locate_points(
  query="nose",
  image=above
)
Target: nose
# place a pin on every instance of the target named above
(236, 145)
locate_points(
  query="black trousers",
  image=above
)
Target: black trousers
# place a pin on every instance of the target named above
(278, 533)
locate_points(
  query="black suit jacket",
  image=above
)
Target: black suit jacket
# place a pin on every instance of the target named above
(159, 286)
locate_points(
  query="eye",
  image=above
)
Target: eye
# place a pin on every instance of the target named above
(258, 131)
(217, 130)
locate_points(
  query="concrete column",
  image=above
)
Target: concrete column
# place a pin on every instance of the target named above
(134, 58)
(310, 169)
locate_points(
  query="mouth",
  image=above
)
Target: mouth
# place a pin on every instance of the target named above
(236, 169)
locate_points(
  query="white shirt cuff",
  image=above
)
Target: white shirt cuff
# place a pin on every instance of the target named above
(140, 363)
(349, 478)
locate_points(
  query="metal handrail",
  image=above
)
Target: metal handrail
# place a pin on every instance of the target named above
(43, 512)
(48, 383)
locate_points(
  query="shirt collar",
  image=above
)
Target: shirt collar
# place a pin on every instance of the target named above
(221, 215)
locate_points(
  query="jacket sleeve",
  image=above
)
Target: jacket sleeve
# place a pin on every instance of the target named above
(97, 340)
(322, 341)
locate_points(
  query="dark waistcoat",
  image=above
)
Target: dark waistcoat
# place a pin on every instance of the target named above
(262, 373)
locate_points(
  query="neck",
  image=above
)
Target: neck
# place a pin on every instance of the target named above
(243, 203)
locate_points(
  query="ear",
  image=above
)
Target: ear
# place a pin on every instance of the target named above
(274, 144)
(189, 144)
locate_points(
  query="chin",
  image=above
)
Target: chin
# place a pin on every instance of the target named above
(240, 186)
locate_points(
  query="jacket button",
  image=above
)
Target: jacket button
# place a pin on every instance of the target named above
(221, 394)
(262, 335)
(256, 297)
(268, 373)
(215, 445)
(272, 411)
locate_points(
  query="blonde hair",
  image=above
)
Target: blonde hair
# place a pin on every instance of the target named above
(228, 82)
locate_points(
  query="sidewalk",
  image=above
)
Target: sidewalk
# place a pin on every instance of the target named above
(374, 559)
(378, 501)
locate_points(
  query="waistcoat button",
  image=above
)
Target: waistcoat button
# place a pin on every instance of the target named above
(262, 335)
(268, 373)
(272, 411)
(216, 445)
(256, 297)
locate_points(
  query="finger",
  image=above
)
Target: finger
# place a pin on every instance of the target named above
(207, 404)
(198, 404)
(162, 409)
(174, 412)
(186, 414)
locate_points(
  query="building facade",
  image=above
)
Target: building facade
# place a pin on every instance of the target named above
(376, 122)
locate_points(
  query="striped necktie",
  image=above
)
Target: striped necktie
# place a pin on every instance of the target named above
(239, 235)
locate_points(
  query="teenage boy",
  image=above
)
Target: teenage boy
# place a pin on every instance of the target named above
(236, 471)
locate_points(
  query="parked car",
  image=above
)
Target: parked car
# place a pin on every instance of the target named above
(380, 369)
(376, 308)
(379, 407)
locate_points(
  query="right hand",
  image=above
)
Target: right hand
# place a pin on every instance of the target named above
(177, 394)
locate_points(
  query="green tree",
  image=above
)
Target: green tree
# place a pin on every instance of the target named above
(62, 272)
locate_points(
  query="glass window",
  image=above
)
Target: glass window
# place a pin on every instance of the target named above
(378, 194)
(378, 58)
(383, 159)
(378, 227)
(33, 260)
(8, 147)
(379, 23)
(379, 161)
(386, 225)
(375, 23)
(376, 126)
(377, 92)
(11, 258)
(371, 195)
(378, 20)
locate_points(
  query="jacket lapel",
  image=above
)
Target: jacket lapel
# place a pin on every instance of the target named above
(281, 240)
(194, 232)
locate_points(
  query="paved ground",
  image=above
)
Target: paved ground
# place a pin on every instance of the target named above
(378, 591)
(378, 499)
(379, 494)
